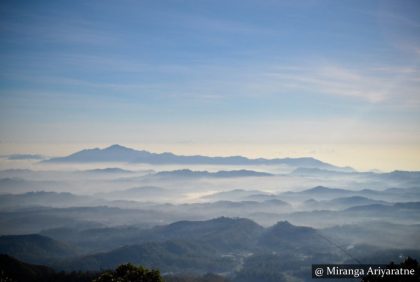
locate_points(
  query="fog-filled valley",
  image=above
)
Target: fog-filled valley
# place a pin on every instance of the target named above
(238, 218)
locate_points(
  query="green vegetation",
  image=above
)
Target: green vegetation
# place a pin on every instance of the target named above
(12, 270)
(130, 273)
(209, 277)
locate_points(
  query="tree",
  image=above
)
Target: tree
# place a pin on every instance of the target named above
(130, 273)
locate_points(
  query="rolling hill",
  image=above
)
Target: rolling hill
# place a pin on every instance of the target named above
(35, 248)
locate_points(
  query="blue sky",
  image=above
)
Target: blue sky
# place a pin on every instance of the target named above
(331, 79)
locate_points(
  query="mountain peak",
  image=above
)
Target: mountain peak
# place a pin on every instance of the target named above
(284, 224)
(288, 230)
(118, 153)
(117, 147)
(321, 189)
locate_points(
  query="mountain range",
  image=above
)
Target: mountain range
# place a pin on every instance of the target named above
(218, 174)
(118, 153)
(197, 246)
(326, 193)
(35, 248)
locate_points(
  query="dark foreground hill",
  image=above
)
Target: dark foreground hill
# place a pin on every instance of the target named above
(13, 270)
(238, 248)
(259, 268)
(219, 245)
(216, 245)
(35, 248)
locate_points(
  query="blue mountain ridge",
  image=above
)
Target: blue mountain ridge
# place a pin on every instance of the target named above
(118, 153)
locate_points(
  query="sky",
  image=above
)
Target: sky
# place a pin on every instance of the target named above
(335, 80)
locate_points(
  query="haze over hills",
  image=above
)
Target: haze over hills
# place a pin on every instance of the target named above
(25, 157)
(118, 153)
(221, 245)
(199, 246)
(207, 138)
(35, 248)
(220, 174)
(49, 199)
(232, 216)
(108, 170)
(186, 217)
(326, 193)
(407, 176)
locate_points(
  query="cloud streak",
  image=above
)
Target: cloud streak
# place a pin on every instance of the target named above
(371, 84)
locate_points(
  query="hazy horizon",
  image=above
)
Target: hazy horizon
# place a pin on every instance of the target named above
(343, 158)
(321, 97)
(337, 81)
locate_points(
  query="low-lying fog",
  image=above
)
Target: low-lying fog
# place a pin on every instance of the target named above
(100, 207)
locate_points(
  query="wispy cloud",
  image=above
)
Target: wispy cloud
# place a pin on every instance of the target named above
(374, 84)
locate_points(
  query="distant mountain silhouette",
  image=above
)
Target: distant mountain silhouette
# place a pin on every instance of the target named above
(310, 171)
(355, 200)
(318, 192)
(46, 199)
(237, 195)
(244, 195)
(108, 170)
(406, 213)
(144, 193)
(326, 193)
(325, 190)
(118, 153)
(114, 153)
(218, 174)
(22, 157)
(386, 208)
(341, 203)
(403, 178)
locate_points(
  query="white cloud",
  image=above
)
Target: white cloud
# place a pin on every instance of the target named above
(379, 84)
